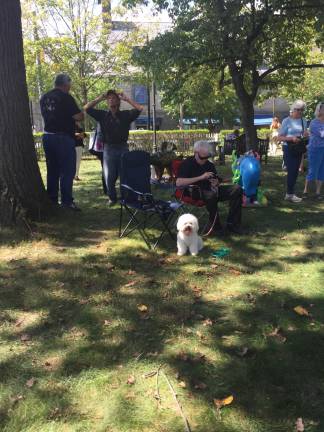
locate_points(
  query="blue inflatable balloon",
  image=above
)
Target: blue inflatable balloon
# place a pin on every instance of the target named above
(250, 174)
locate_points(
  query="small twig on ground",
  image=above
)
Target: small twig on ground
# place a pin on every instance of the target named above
(28, 226)
(139, 356)
(174, 394)
(157, 392)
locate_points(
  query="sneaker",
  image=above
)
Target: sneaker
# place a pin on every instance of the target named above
(318, 197)
(293, 198)
(111, 202)
(71, 206)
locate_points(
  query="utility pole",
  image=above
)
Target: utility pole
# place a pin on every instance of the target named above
(181, 116)
(148, 104)
(154, 116)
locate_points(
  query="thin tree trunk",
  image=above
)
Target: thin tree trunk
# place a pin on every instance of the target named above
(247, 108)
(248, 123)
(22, 192)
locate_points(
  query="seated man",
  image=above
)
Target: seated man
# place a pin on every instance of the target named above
(198, 170)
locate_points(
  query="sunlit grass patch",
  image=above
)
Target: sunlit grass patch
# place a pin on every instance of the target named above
(86, 316)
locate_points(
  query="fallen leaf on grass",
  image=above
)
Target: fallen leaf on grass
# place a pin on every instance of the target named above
(183, 356)
(276, 334)
(30, 382)
(295, 253)
(219, 403)
(235, 272)
(107, 322)
(131, 380)
(157, 396)
(207, 322)
(84, 301)
(130, 284)
(142, 308)
(25, 337)
(15, 399)
(300, 425)
(197, 294)
(169, 260)
(182, 384)
(200, 386)
(301, 311)
(198, 358)
(243, 351)
(19, 322)
(110, 267)
(131, 272)
(54, 414)
(200, 335)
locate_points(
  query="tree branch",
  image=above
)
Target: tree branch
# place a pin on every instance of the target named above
(285, 66)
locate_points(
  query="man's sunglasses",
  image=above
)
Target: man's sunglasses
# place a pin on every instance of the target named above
(203, 157)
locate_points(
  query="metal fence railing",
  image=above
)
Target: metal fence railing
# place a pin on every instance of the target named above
(182, 143)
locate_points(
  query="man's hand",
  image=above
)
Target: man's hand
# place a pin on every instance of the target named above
(207, 176)
(130, 101)
(93, 103)
(295, 139)
(214, 182)
(123, 97)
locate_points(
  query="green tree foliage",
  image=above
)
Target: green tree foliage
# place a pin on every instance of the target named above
(257, 43)
(310, 87)
(75, 37)
(200, 96)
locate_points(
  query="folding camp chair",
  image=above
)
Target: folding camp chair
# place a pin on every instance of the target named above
(138, 203)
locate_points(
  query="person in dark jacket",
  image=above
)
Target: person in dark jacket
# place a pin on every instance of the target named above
(115, 125)
(60, 112)
(199, 171)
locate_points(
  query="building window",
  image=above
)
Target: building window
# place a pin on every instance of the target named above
(140, 94)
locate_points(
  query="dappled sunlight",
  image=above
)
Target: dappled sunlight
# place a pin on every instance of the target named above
(83, 311)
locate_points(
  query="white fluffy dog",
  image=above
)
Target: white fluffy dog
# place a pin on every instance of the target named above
(188, 237)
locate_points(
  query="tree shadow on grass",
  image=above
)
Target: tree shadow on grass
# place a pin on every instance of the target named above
(93, 318)
(86, 309)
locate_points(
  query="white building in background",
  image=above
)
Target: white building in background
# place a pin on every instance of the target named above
(150, 25)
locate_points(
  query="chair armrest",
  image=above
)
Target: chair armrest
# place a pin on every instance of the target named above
(137, 192)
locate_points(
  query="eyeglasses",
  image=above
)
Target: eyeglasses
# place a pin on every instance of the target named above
(299, 109)
(203, 157)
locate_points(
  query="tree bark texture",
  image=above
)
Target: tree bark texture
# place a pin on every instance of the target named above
(247, 108)
(22, 192)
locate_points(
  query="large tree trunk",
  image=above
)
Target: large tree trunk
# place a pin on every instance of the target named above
(22, 192)
(247, 108)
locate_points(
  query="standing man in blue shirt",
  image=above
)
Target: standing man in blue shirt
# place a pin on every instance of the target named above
(60, 111)
(115, 125)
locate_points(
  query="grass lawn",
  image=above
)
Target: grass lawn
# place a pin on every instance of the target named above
(76, 352)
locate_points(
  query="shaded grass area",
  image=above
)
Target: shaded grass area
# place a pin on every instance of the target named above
(69, 320)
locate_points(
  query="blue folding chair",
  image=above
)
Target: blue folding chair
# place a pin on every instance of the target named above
(137, 201)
